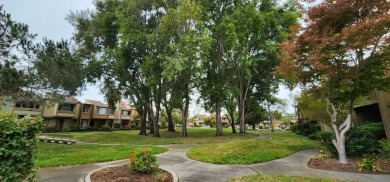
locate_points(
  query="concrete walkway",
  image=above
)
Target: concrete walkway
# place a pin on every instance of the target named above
(190, 170)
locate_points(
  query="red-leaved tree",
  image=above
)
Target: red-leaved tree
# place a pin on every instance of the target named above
(341, 52)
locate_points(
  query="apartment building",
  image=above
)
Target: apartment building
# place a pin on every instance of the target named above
(72, 113)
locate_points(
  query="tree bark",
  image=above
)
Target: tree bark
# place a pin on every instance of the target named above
(142, 130)
(270, 117)
(340, 131)
(186, 104)
(151, 123)
(171, 127)
(155, 122)
(231, 121)
(218, 118)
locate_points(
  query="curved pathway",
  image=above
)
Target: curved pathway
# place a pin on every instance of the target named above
(189, 170)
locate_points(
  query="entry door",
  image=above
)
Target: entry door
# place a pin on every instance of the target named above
(60, 124)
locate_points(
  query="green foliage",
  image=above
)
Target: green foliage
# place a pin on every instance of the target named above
(117, 125)
(313, 137)
(306, 129)
(295, 128)
(358, 142)
(322, 155)
(385, 148)
(106, 128)
(368, 163)
(324, 135)
(143, 161)
(18, 147)
(377, 129)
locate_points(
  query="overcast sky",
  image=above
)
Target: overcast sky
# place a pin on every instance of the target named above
(47, 19)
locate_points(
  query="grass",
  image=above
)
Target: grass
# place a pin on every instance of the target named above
(131, 137)
(281, 145)
(50, 155)
(279, 178)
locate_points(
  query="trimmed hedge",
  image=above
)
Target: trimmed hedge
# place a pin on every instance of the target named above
(18, 147)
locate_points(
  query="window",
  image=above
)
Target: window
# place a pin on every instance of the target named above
(125, 112)
(86, 108)
(28, 105)
(66, 107)
(101, 110)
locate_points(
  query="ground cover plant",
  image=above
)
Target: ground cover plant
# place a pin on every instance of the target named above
(279, 178)
(128, 137)
(264, 149)
(50, 155)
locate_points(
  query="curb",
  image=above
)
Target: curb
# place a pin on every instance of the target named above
(174, 175)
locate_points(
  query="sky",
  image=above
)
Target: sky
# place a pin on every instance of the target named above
(47, 19)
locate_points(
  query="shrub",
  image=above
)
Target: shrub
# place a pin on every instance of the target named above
(313, 137)
(143, 161)
(18, 147)
(385, 147)
(377, 129)
(295, 128)
(50, 129)
(105, 128)
(126, 127)
(368, 163)
(134, 127)
(260, 127)
(117, 126)
(358, 142)
(324, 136)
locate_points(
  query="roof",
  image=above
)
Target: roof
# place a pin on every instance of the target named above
(96, 103)
(71, 100)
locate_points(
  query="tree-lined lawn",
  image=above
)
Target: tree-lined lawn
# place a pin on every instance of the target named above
(281, 145)
(131, 137)
(50, 155)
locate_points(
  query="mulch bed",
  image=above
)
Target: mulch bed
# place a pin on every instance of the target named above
(123, 174)
(332, 163)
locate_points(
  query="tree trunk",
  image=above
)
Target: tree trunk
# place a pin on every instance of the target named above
(142, 130)
(270, 117)
(218, 118)
(340, 131)
(231, 121)
(171, 127)
(155, 122)
(184, 133)
(241, 113)
(151, 125)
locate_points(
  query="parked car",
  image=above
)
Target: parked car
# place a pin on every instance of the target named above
(287, 128)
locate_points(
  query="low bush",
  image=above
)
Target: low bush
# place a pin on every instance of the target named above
(260, 127)
(134, 127)
(106, 128)
(295, 128)
(324, 136)
(50, 129)
(368, 163)
(18, 147)
(377, 129)
(313, 137)
(385, 148)
(358, 142)
(143, 161)
(117, 126)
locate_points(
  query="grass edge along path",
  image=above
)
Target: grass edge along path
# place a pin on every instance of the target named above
(280, 178)
(52, 155)
(252, 151)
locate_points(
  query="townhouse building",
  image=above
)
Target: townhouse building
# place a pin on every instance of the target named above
(72, 113)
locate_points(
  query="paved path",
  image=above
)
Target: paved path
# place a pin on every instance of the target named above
(190, 170)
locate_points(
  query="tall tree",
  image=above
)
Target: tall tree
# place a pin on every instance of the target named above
(341, 53)
(188, 44)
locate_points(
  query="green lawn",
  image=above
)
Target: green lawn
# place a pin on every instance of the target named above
(50, 154)
(131, 137)
(279, 178)
(281, 145)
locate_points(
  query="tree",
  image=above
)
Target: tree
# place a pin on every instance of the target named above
(341, 53)
(32, 72)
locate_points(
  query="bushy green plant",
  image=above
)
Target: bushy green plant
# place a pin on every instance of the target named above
(18, 147)
(377, 129)
(385, 148)
(324, 136)
(358, 142)
(368, 163)
(313, 137)
(117, 125)
(295, 128)
(143, 161)
(106, 128)
(260, 127)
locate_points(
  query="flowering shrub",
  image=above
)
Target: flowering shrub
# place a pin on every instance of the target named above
(18, 140)
(143, 161)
